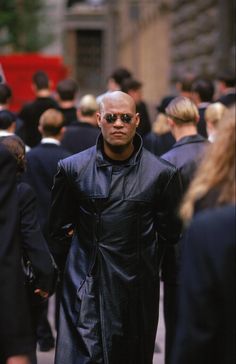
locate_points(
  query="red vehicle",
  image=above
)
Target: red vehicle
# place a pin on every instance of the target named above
(18, 69)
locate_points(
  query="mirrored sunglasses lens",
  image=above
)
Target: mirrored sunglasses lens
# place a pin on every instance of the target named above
(111, 118)
(126, 118)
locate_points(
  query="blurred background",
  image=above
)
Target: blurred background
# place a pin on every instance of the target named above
(156, 39)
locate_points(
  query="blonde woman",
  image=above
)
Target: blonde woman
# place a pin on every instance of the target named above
(205, 330)
(214, 183)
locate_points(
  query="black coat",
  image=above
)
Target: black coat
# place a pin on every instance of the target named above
(185, 156)
(41, 168)
(15, 327)
(228, 99)
(201, 125)
(109, 308)
(32, 241)
(80, 137)
(207, 311)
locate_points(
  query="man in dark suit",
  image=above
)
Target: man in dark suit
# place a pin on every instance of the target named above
(84, 133)
(202, 95)
(226, 87)
(205, 331)
(66, 98)
(16, 338)
(183, 117)
(31, 112)
(41, 168)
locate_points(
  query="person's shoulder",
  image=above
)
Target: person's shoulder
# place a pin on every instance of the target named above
(78, 159)
(158, 162)
(216, 215)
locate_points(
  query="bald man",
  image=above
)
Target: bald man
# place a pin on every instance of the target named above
(112, 205)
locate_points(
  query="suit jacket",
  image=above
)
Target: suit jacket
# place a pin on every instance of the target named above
(41, 168)
(15, 325)
(228, 99)
(207, 310)
(32, 240)
(79, 137)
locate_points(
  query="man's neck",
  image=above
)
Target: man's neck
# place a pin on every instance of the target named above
(119, 153)
(184, 131)
(66, 104)
(43, 93)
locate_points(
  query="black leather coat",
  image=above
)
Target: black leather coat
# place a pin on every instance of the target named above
(109, 308)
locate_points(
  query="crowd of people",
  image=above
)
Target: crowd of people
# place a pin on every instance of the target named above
(99, 203)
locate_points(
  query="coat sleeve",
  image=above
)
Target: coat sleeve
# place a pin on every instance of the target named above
(168, 222)
(32, 239)
(62, 216)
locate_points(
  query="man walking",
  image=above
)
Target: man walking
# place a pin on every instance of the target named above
(112, 205)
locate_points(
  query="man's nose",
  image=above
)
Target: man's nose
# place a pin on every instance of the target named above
(118, 122)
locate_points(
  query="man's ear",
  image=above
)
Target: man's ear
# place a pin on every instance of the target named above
(98, 119)
(40, 129)
(137, 119)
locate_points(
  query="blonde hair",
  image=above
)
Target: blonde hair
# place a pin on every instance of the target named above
(51, 122)
(214, 113)
(182, 110)
(216, 171)
(160, 125)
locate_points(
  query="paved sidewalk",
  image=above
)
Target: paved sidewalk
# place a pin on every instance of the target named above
(47, 358)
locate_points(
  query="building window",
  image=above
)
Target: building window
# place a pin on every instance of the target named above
(89, 59)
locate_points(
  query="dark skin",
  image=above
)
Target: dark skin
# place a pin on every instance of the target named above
(118, 136)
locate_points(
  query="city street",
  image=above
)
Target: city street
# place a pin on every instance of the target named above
(47, 358)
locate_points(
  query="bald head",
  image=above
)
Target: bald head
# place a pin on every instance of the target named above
(116, 99)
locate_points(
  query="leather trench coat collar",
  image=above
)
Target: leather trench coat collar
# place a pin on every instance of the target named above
(102, 161)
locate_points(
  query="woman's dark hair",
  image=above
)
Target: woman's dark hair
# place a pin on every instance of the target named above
(16, 147)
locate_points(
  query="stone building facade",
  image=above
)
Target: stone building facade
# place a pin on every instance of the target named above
(157, 40)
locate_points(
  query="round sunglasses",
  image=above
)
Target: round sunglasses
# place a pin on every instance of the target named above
(111, 118)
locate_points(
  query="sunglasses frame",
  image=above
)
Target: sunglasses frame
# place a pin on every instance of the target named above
(111, 118)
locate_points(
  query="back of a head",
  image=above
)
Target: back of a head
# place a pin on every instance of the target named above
(184, 83)
(182, 110)
(16, 147)
(120, 74)
(67, 89)
(7, 118)
(51, 122)
(204, 88)
(214, 113)
(130, 84)
(228, 78)
(40, 80)
(216, 172)
(5, 93)
(88, 105)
